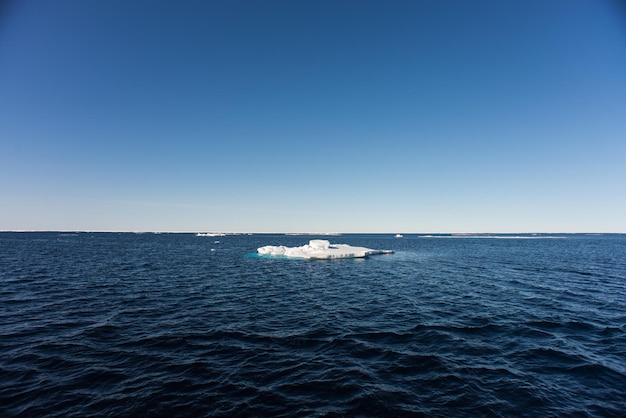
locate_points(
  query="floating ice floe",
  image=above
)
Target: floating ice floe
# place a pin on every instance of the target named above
(320, 249)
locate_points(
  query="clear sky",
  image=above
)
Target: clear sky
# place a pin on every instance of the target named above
(325, 116)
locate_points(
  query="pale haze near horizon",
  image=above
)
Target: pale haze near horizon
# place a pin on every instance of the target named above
(407, 116)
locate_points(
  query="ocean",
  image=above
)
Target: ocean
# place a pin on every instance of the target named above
(176, 325)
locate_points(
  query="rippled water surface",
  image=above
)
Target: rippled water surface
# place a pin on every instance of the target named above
(103, 324)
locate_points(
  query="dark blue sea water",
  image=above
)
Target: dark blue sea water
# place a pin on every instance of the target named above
(107, 324)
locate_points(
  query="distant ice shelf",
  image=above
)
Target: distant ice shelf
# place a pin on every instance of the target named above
(320, 249)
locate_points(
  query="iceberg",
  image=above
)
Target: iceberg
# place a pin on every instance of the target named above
(319, 249)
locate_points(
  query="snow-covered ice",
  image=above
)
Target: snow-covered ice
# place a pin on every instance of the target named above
(319, 249)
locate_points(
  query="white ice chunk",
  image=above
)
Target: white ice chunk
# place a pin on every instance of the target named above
(320, 249)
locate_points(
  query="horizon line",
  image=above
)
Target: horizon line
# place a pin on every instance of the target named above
(296, 233)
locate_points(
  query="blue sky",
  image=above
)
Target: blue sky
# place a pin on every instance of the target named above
(326, 116)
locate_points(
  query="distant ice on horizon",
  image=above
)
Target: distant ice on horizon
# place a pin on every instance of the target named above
(491, 236)
(319, 249)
